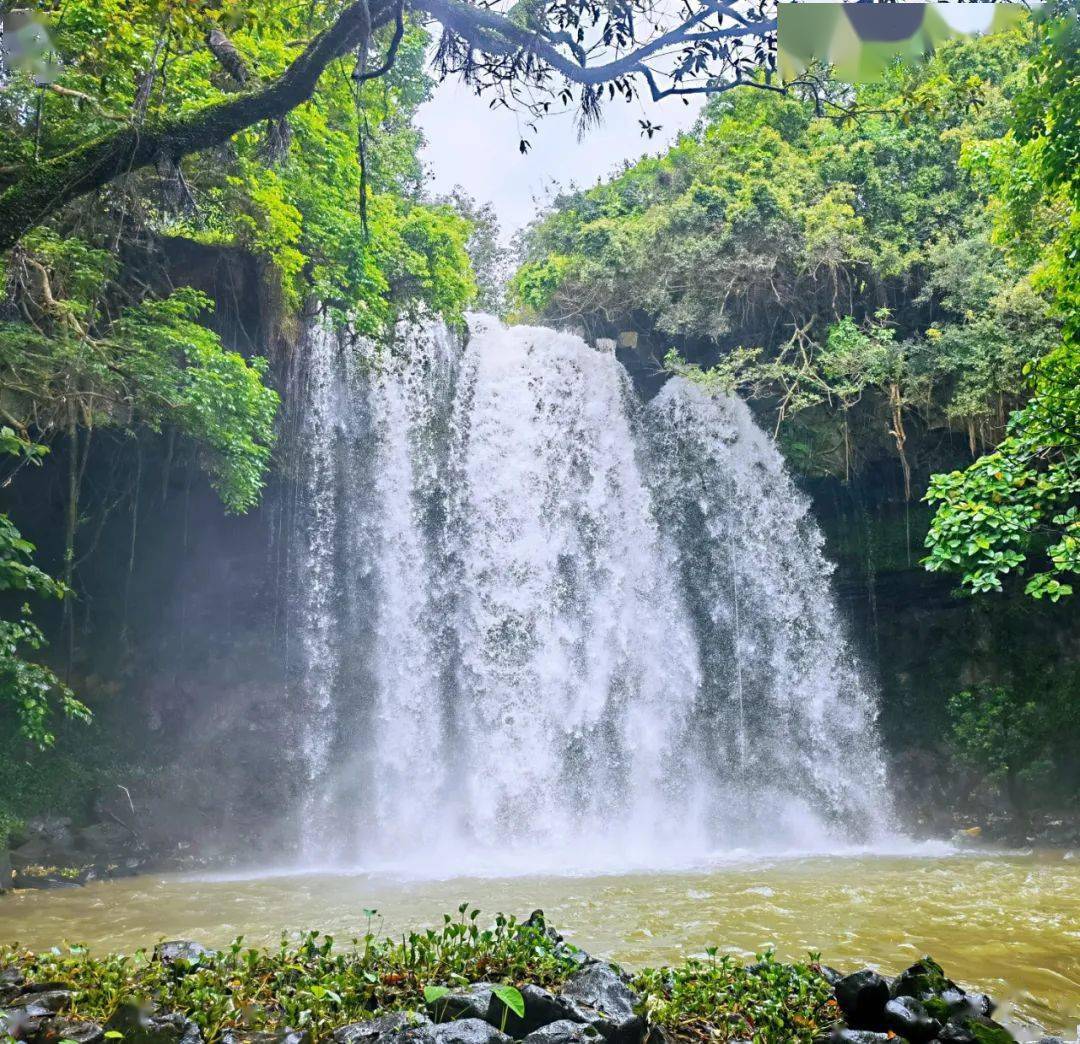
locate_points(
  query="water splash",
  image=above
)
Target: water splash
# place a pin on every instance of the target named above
(546, 628)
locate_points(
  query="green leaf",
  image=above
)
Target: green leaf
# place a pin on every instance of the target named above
(434, 993)
(512, 998)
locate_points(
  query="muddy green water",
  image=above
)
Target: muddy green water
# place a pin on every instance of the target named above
(1009, 924)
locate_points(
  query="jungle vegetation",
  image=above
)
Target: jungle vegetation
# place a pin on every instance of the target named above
(894, 272)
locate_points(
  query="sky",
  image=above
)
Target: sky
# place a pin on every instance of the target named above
(470, 145)
(475, 147)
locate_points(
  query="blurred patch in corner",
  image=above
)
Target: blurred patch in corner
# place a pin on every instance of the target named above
(860, 40)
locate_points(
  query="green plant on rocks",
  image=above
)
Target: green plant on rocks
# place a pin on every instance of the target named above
(720, 999)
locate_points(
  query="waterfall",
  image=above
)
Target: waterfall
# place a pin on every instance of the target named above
(541, 625)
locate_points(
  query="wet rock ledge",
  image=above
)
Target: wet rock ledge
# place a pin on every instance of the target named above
(188, 994)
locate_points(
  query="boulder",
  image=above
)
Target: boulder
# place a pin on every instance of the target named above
(105, 838)
(23, 1023)
(853, 1036)
(566, 1031)
(48, 1001)
(923, 979)
(143, 1025)
(5, 870)
(74, 1030)
(465, 1031)
(598, 996)
(285, 1036)
(471, 1002)
(541, 1009)
(862, 997)
(952, 1033)
(181, 955)
(384, 1025)
(909, 1018)
(979, 1028)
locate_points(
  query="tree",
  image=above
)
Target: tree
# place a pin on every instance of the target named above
(569, 49)
(490, 259)
(1018, 508)
(1016, 739)
(29, 692)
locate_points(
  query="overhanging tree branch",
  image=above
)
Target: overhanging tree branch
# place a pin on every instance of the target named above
(550, 48)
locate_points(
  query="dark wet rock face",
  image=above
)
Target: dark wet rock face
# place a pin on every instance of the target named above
(286, 1036)
(471, 1002)
(567, 1032)
(44, 1002)
(862, 997)
(465, 1031)
(141, 1025)
(363, 1032)
(598, 996)
(71, 1030)
(852, 1036)
(909, 1018)
(923, 979)
(541, 1008)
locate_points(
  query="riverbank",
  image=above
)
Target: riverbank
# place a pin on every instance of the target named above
(469, 984)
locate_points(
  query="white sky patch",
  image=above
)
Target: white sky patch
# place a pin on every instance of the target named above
(470, 145)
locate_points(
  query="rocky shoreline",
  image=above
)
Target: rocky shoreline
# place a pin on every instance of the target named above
(594, 1002)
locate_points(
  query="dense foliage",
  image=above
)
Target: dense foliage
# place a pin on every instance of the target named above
(1018, 508)
(103, 348)
(833, 255)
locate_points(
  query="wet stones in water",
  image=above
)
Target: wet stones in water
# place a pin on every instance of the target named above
(384, 1025)
(565, 1031)
(862, 997)
(909, 1018)
(598, 996)
(925, 978)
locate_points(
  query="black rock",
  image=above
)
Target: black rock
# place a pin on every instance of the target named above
(537, 920)
(854, 1036)
(923, 979)
(44, 1000)
(472, 1002)
(181, 955)
(23, 1023)
(598, 996)
(909, 1018)
(541, 1008)
(830, 975)
(978, 1028)
(567, 1032)
(71, 1029)
(286, 1036)
(862, 997)
(142, 1025)
(465, 1031)
(384, 1025)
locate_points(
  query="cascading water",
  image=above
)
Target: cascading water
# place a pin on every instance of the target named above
(544, 627)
